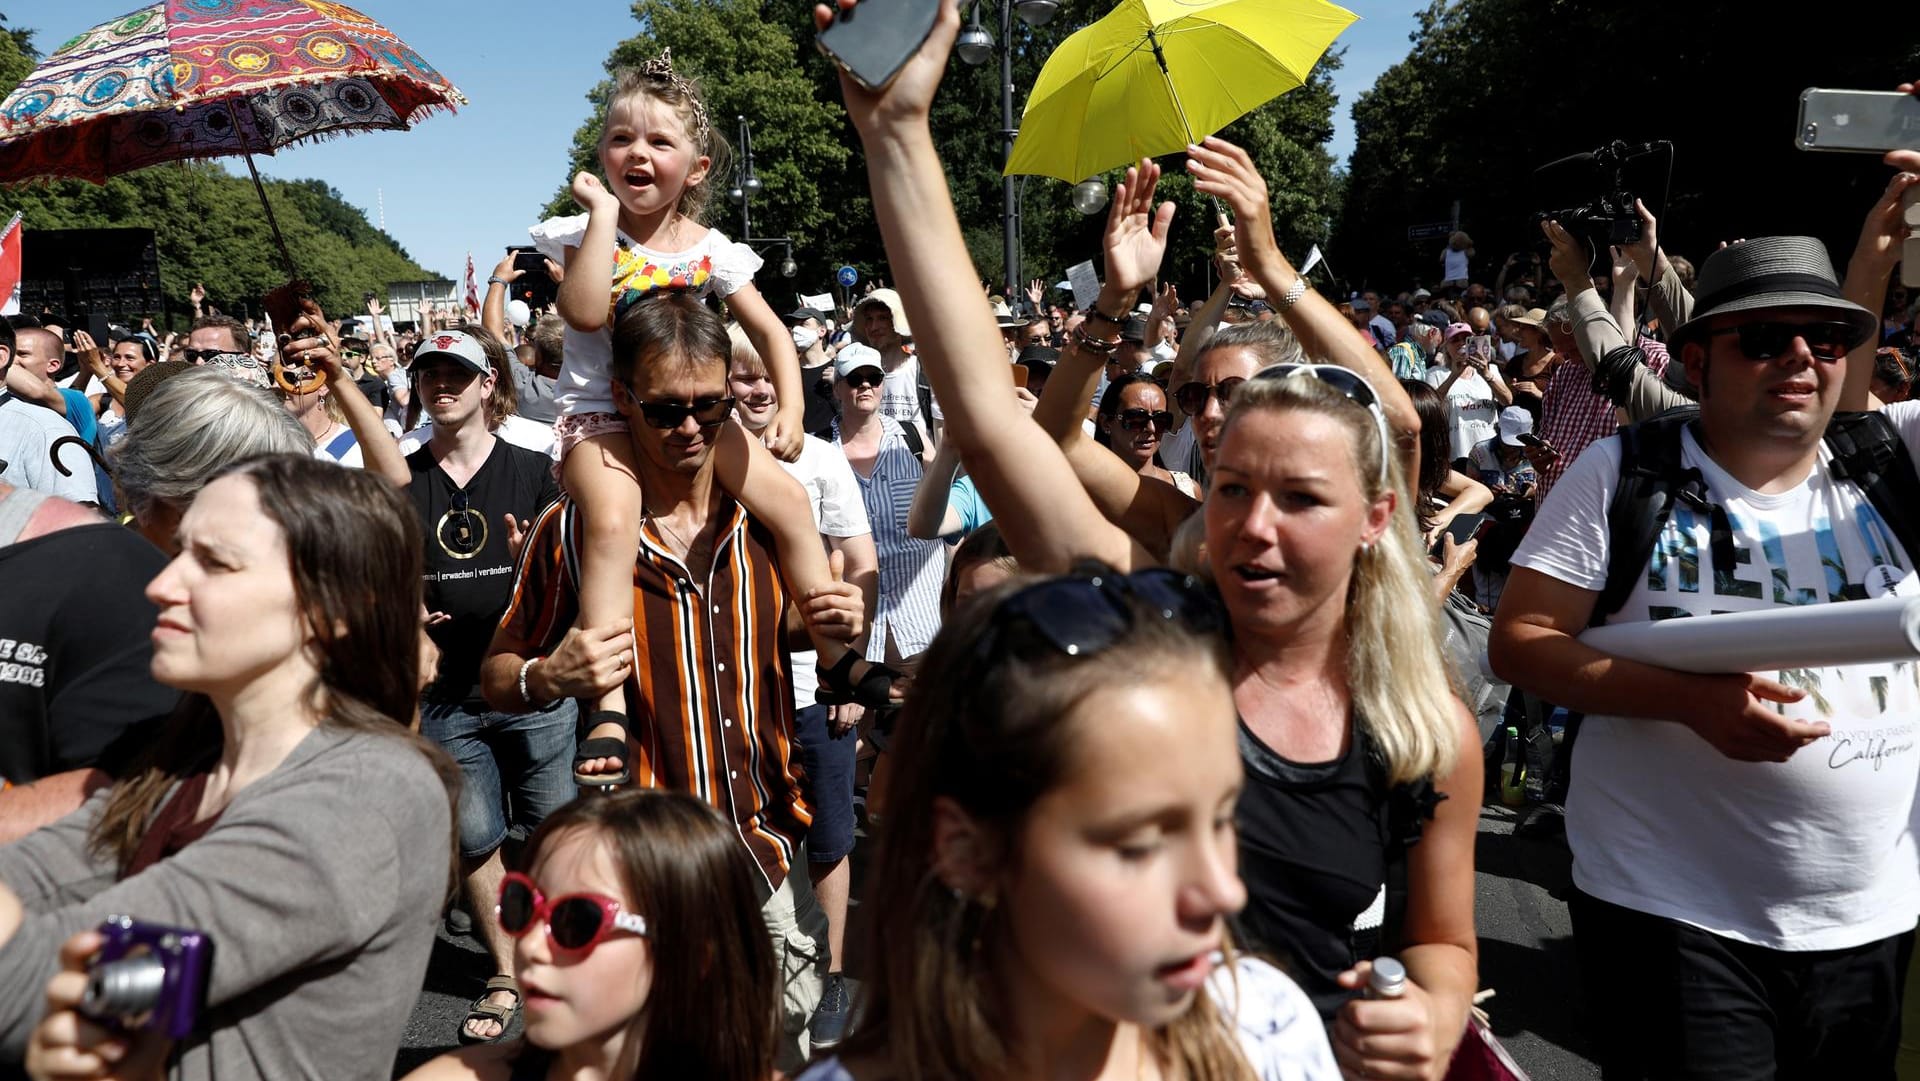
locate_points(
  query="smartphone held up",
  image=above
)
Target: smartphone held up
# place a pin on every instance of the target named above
(1868, 121)
(872, 40)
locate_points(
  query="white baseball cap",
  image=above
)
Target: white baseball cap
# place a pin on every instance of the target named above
(854, 356)
(1514, 423)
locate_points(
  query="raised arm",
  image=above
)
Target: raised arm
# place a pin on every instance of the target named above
(314, 345)
(1629, 383)
(582, 299)
(1872, 263)
(493, 310)
(1046, 517)
(932, 515)
(1223, 170)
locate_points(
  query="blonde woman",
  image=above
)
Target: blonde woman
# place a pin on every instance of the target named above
(1348, 723)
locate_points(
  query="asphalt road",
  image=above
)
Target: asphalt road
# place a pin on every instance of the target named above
(1526, 956)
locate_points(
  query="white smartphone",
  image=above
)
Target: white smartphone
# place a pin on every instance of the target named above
(1871, 121)
(1858, 120)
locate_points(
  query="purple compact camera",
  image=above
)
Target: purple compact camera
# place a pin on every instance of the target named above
(148, 977)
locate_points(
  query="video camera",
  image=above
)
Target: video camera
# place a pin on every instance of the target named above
(1609, 218)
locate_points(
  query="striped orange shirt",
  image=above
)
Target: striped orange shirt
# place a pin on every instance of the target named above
(714, 714)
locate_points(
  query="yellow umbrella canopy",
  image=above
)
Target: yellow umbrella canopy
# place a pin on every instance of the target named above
(1155, 75)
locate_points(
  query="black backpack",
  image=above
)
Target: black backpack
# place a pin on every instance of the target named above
(1866, 450)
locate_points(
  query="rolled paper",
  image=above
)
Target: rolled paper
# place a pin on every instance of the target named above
(1817, 636)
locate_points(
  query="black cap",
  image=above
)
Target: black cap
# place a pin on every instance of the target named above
(1135, 328)
(1039, 354)
(801, 315)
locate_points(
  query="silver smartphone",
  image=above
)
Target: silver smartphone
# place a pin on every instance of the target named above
(1873, 121)
(1860, 120)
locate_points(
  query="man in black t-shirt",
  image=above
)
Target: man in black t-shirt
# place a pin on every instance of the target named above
(474, 492)
(75, 652)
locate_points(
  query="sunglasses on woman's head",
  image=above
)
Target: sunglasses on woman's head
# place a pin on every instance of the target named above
(576, 922)
(1082, 615)
(708, 412)
(1136, 420)
(1351, 385)
(1765, 341)
(1193, 396)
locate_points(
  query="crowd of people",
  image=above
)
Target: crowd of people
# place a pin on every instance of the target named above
(1144, 641)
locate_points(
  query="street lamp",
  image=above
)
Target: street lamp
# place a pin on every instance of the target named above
(976, 46)
(747, 186)
(1090, 196)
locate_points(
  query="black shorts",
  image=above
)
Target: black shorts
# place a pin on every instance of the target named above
(1669, 1000)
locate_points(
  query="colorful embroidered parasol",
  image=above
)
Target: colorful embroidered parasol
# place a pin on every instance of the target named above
(211, 78)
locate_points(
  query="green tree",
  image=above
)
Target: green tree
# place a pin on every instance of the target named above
(17, 54)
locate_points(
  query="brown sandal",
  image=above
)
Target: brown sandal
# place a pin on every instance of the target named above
(482, 1010)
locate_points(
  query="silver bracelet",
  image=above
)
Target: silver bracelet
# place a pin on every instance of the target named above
(524, 665)
(1293, 294)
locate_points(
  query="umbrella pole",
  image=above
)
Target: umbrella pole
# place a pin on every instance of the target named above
(1161, 59)
(260, 190)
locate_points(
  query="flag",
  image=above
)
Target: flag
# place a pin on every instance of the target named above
(10, 268)
(1313, 260)
(473, 294)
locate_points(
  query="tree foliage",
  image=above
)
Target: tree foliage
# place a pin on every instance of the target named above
(1493, 89)
(757, 58)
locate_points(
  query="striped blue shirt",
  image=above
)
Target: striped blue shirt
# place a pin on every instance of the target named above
(911, 570)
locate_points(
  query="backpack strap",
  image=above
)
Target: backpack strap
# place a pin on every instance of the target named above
(925, 391)
(1868, 451)
(1652, 480)
(911, 433)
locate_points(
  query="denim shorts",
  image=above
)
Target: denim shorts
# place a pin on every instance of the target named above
(828, 761)
(515, 768)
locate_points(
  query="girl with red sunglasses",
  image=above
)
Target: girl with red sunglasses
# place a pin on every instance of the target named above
(623, 896)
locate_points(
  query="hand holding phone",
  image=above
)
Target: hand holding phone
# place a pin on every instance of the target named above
(872, 40)
(1463, 528)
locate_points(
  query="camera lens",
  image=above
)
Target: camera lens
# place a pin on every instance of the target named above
(123, 989)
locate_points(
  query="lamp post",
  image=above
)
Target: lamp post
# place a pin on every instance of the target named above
(976, 46)
(746, 185)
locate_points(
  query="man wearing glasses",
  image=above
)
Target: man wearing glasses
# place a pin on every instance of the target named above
(1745, 878)
(212, 335)
(474, 492)
(713, 711)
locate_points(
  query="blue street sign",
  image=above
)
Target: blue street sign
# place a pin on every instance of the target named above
(847, 276)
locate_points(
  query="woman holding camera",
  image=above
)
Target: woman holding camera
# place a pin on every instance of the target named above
(287, 811)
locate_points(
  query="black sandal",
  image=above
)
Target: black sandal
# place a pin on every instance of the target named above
(603, 747)
(874, 690)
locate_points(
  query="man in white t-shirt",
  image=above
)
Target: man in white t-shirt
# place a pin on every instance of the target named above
(1744, 864)
(826, 733)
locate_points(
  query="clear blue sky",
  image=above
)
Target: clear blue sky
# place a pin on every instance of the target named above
(474, 180)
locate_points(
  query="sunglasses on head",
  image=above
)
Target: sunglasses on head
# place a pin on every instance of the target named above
(1351, 386)
(576, 922)
(1193, 396)
(1136, 420)
(1765, 341)
(708, 412)
(1084, 614)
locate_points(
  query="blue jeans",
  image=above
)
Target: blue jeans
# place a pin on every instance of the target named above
(829, 764)
(515, 768)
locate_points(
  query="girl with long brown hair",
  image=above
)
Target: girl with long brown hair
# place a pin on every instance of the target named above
(286, 810)
(640, 948)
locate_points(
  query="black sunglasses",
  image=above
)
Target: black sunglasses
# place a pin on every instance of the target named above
(1765, 341)
(706, 412)
(862, 378)
(201, 356)
(1081, 615)
(1136, 420)
(1193, 396)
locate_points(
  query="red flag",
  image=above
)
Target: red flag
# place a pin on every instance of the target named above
(10, 268)
(473, 294)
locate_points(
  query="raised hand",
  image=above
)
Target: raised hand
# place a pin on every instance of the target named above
(1569, 261)
(593, 195)
(1037, 293)
(1226, 172)
(505, 270)
(1136, 236)
(1646, 250)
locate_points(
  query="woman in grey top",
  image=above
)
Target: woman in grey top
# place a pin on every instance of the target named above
(287, 810)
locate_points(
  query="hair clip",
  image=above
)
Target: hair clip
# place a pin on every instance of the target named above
(661, 67)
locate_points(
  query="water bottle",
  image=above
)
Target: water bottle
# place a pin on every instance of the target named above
(1557, 725)
(1388, 979)
(1513, 771)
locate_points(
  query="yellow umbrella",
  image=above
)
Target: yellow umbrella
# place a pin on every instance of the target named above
(1155, 75)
